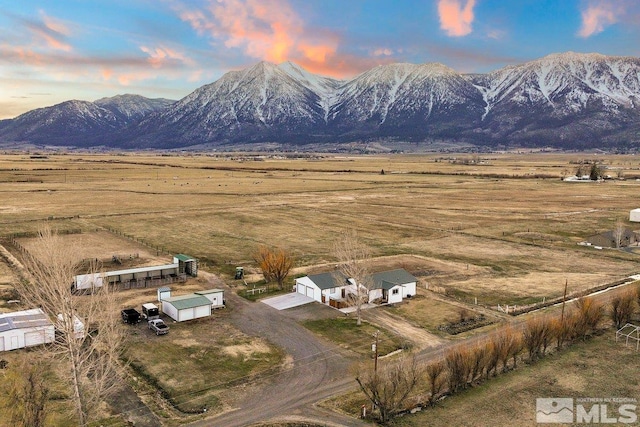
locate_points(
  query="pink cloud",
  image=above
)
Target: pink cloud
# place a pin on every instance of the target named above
(598, 15)
(53, 32)
(269, 30)
(456, 19)
(163, 55)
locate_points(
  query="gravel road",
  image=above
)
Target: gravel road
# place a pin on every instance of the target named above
(319, 369)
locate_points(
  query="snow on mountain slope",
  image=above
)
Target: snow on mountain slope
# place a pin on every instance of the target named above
(406, 94)
(262, 101)
(569, 100)
(133, 107)
(567, 83)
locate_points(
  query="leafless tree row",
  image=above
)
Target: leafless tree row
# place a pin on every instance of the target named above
(465, 365)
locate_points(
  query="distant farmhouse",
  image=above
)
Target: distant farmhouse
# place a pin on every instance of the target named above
(335, 289)
(608, 239)
(634, 215)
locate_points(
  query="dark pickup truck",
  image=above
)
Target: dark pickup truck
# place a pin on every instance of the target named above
(158, 326)
(130, 316)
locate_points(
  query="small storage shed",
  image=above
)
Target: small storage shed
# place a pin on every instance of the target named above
(186, 307)
(216, 296)
(25, 328)
(634, 215)
(164, 292)
(186, 264)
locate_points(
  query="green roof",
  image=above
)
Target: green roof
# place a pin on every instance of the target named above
(187, 301)
(388, 279)
(329, 280)
(184, 258)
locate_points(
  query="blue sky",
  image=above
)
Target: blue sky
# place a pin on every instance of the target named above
(56, 50)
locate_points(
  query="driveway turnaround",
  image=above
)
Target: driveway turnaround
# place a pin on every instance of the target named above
(293, 299)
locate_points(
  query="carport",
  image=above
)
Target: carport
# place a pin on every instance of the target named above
(282, 302)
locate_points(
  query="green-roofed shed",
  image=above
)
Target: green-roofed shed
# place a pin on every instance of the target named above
(186, 264)
(186, 307)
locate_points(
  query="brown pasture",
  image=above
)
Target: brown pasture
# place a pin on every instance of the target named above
(500, 227)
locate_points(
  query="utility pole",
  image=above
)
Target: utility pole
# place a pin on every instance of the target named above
(375, 354)
(564, 300)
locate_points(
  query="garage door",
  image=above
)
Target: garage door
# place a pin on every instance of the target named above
(1, 343)
(203, 311)
(187, 314)
(310, 291)
(33, 338)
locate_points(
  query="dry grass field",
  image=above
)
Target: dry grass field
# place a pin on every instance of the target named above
(502, 228)
(506, 222)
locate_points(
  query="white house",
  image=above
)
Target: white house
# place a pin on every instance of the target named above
(25, 328)
(333, 288)
(634, 215)
(216, 296)
(325, 287)
(186, 307)
(393, 286)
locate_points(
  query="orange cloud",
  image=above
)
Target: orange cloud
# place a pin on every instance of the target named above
(264, 29)
(455, 18)
(597, 16)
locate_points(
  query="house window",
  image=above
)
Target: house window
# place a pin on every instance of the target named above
(395, 291)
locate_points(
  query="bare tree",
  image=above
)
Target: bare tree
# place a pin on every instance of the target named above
(622, 308)
(435, 374)
(589, 314)
(353, 258)
(90, 340)
(458, 361)
(275, 263)
(390, 386)
(618, 233)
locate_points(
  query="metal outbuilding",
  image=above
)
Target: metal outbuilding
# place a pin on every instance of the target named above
(186, 307)
(216, 296)
(25, 328)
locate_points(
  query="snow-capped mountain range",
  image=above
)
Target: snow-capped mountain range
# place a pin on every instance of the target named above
(566, 100)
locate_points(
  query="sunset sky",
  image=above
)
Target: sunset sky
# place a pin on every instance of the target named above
(56, 50)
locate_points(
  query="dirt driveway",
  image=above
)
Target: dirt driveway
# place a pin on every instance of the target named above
(316, 370)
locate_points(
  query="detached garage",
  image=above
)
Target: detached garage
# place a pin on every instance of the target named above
(186, 307)
(25, 328)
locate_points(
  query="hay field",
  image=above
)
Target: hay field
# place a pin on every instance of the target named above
(506, 222)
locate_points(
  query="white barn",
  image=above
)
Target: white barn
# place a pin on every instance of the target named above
(186, 307)
(634, 215)
(25, 328)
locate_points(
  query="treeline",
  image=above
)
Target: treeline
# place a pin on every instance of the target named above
(402, 384)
